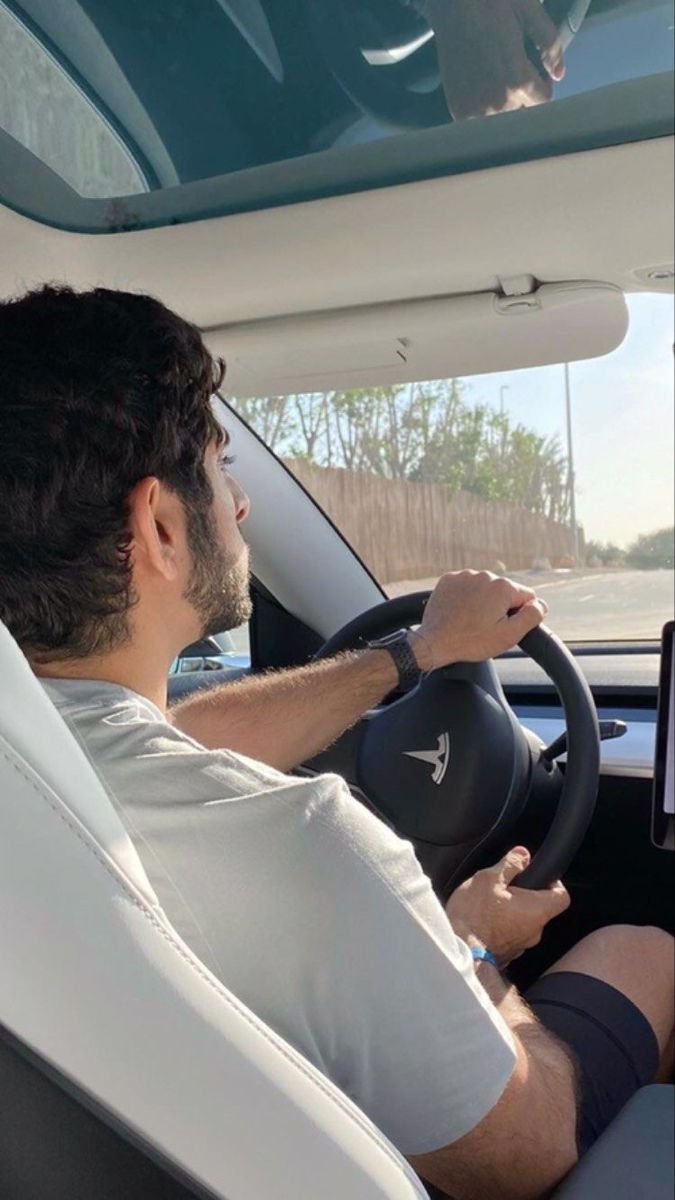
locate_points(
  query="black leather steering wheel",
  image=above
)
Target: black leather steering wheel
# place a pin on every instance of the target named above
(450, 767)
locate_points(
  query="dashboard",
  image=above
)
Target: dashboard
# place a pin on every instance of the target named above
(631, 756)
(624, 681)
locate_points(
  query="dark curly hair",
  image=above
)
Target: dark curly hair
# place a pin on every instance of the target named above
(98, 389)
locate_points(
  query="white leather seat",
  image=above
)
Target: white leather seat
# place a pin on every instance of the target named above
(94, 980)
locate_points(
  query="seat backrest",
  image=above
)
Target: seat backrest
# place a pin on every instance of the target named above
(95, 981)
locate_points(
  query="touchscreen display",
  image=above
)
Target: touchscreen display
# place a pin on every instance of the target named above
(664, 767)
(668, 778)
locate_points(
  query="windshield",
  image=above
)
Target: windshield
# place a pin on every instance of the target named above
(558, 476)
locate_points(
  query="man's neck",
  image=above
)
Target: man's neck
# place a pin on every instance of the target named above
(125, 668)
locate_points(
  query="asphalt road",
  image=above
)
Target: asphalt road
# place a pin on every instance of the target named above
(584, 605)
(593, 605)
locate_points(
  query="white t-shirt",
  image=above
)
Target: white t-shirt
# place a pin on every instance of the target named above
(313, 912)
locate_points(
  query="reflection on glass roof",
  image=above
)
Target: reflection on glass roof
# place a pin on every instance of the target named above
(144, 96)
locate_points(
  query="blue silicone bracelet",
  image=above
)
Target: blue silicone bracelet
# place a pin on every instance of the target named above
(484, 956)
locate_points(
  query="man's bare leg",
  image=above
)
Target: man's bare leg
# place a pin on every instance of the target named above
(640, 962)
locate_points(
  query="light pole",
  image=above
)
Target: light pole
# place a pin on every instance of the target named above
(504, 388)
(570, 467)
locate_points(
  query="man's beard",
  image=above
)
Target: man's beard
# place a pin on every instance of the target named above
(219, 587)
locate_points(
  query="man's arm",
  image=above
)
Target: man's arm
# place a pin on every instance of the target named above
(527, 1143)
(284, 718)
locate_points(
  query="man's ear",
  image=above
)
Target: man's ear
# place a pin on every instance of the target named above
(157, 526)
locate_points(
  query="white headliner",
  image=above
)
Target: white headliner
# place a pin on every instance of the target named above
(603, 215)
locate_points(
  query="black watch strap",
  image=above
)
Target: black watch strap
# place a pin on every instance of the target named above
(398, 646)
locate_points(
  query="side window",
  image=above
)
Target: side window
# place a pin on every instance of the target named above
(236, 642)
(228, 650)
(45, 110)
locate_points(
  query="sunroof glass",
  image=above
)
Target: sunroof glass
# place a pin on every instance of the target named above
(125, 98)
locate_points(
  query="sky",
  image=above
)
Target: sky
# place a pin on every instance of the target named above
(622, 420)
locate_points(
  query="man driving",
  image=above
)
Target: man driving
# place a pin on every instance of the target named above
(120, 544)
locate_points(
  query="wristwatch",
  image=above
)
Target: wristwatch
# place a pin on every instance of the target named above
(398, 646)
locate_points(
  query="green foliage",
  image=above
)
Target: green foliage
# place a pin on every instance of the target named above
(428, 433)
(648, 551)
(268, 415)
(606, 553)
(652, 550)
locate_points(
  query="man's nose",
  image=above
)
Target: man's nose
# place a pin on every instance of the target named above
(242, 504)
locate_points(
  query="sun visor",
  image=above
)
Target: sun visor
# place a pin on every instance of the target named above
(421, 339)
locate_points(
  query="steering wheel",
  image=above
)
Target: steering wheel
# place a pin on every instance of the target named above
(383, 55)
(450, 767)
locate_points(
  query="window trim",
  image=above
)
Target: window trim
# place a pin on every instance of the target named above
(139, 160)
(632, 111)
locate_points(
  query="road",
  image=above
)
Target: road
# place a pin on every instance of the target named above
(585, 605)
(593, 605)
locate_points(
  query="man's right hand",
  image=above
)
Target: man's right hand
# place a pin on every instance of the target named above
(467, 618)
(487, 911)
(509, 1154)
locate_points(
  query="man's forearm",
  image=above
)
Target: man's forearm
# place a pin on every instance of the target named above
(287, 717)
(522, 1021)
(284, 718)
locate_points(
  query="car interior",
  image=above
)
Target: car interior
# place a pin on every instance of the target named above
(288, 177)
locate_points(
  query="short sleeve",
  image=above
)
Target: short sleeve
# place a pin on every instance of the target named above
(407, 1029)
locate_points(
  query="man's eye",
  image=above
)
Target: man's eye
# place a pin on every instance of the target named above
(226, 461)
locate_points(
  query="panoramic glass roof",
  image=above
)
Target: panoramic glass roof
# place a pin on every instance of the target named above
(148, 100)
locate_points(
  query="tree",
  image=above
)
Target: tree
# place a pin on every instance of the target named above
(424, 432)
(477, 450)
(357, 419)
(269, 416)
(310, 411)
(606, 553)
(652, 550)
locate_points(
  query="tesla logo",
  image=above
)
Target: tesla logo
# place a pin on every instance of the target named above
(438, 758)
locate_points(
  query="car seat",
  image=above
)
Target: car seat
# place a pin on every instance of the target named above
(127, 1069)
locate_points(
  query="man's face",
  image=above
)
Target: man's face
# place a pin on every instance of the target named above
(218, 589)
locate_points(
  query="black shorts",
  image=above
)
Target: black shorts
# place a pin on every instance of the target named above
(613, 1043)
